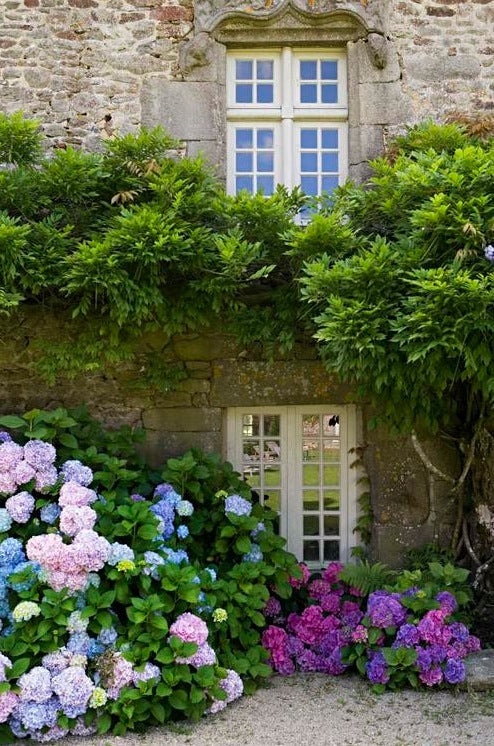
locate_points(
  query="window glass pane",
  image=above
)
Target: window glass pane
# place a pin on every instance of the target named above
(311, 551)
(272, 476)
(331, 551)
(264, 93)
(331, 499)
(308, 93)
(308, 69)
(309, 185)
(308, 162)
(265, 138)
(311, 525)
(329, 138)
(308, 138)
(331, 474)
(330, 162)
(331, 525)
(244, 182)
(243, 93)
(243, 69)
(265, 69)
(266, 184)
(310, 475)
(251, 450)
(329, 183)
(244, 161)
(243, 139)
(329, 93)
(272, 425)
(250, 425)
(331, 424)
(265, 161)
(311, 499)
(329, 70)
(272, 500)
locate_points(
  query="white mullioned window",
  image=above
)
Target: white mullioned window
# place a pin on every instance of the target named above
(296, 460)
(287, 117)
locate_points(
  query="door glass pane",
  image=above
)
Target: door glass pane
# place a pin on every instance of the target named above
(272, 500)
(310, 424)
(331, 525)
(251, 450)
(310, 475)
(272, 451)
(311, 499)
(272, 476)
(331, 551)
(250, 425)
(331, 450)
(311, 551)
(331, 424)
(311, 525)
(311, 450)
(272, 425)
(331, 474)
(331, 499)
(252, 476)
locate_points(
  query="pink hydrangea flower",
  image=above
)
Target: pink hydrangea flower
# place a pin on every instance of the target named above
(74, 519)
(72, 493)
(190, 628)
(11, 454)
(332, 572)
(8, 703)
(299, 582)
(20, 507)
(23, 472)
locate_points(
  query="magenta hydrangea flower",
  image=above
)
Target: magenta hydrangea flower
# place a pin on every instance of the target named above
(190, 628)
(299, 582)
(319, 588)
(332, 572)
(330, 602)
(360, 634)
(272, 608)
(432, 676)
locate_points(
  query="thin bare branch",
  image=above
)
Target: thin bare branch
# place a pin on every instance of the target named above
(428, 463)
(468, 544)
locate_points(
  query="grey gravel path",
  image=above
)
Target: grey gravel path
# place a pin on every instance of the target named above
(316, 710)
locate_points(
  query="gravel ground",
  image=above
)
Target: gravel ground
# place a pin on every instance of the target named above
(315, 710)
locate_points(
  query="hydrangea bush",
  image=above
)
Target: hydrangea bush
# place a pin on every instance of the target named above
(112, 617)
(409, 635)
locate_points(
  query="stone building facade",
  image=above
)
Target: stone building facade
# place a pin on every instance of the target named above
(89, 68)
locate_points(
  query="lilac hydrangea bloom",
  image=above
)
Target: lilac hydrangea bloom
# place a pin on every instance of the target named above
(448, 601)
(149, 673)
(233, 686)
(39, 454)
(168, 493)
(385, 610)
(119, 552)
(75, 471)
(36, 685)
(20, 507)
(255, 554)
(489, 253)
(11, 454)
(73, 688)
(108, 636)
(407, 636)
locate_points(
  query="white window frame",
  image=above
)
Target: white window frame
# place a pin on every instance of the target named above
(286, 114)
(291, 506)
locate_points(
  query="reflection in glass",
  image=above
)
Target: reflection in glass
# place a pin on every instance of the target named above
(308, 93)
(331, 450)
(251, 476)
(272, 451)
(265, 138)
(272, 476)
(310, 424)
(244, 182)
(311, 551)
(311, 525)
(331, 499)
(265, 184)
(251, 450)
(265, 69)
(310, 450)
(331, 525)
(244, 162)
(250, 425)
(311, 499)
(272, 500)
(331, 551)
(243, 139)
(265, 161)
(243, 69)
(331, 424)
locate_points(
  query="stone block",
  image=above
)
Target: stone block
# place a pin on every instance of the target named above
(391, 543)
(182, 419)
(188, 110)
(383, 103)
(282, 382)
(480, 670)
(160, 446)
(367, 70)
(205, 347)
(364, 143)
(438, 68)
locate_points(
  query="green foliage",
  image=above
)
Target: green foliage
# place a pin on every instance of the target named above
(418, 559)
(367, 577)
(20, 139)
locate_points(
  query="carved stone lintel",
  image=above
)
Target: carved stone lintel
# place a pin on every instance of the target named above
(377, 46)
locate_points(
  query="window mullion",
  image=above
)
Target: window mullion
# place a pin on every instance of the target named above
(287, 117)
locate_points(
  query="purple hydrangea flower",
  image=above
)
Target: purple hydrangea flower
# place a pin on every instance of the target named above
(385, 610)
(431, 677)
(377, 669)
(489, 253)
(20, 507)
(407, 636)
(233, 686)
(39, 454)
(35, 685)
(454, 671)
(75, 471)
(448, 601)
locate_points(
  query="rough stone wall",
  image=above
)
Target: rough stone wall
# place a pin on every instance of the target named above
(90, 67)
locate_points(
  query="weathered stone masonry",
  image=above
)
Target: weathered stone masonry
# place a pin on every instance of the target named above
(88, 68)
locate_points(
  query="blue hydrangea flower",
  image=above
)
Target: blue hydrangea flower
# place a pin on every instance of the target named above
(255, 554)
(175, 557)
(167, 492)
(5, 520)
(212, 572)
(30, 575)
(166, 513)
(185, 508)
(258, 529)
(237, 505)
(182, 532)
(49, 513)
(119, 552)
(108, 636)
(11, 552)
(79, 643)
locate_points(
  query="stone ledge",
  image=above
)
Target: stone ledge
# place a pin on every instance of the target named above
(480, 670)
